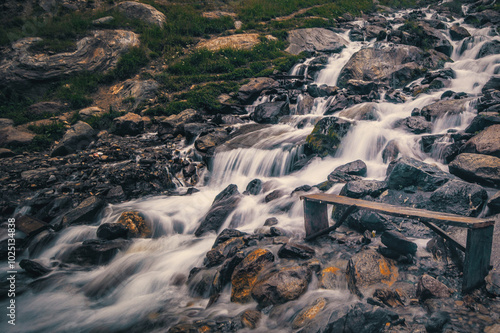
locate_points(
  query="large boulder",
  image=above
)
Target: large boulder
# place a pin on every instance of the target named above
(207, 142)
(487, 142)
(407, 171)
(270, 113)
(483, 120)
(394, 65)
(97, 53)
(223, 205)
(445, 107)
(129, 124)
(238, 42)
(489, 48)
(427, 36)
(458, 32)
(367, 269)
(249, 92)
(326, 135)
(11, 136)
(459, 197)
(281, 286)
(246, 273)
(477, 168)
(140, 11)
(314, 40)
(365, 111)
(78, 137)
(174, 124)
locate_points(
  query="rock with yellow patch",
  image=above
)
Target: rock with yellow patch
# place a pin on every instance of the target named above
(332, 278)
(245, 274)
(251, 318)
(238, 42)
(369, 268)
(309, 313)
(136, 224)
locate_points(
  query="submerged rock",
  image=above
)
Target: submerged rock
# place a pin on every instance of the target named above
(284, 285)
(110, 231)
(96, 252)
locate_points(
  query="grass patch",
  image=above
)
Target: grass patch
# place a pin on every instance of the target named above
(340, 7)
(44, 138)
(399, 3)
(264, 10)
(103, 122)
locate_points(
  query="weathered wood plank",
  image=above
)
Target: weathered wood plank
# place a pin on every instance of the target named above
(315, 217)
(477, 257)
(408, 212)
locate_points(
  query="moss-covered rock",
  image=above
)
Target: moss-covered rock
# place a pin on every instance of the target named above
(325, 138)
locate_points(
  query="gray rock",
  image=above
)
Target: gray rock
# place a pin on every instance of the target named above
(270, 113)
(96, 252)
(254, 187)
(4, 153)
(415, 124)
(11, 136)
(85, 213)
(365, 111)
(493, 283)
(314, 40)
(391, 151)
(97, 53)
(296, 251)
(486, 142)
(138, 91)
(78, 137)
(249, 92)
(141, 11)
(489, 48)
(90, 112)
(483, 120)
(46, 108)
(446, 107)
(360, 188)
(129, 124)
(484, 169)
(357, 168)
(429, 287)
(110, 231)
(305, 105)
(207, 143)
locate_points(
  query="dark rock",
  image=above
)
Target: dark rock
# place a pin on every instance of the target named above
(129, 124)
(47, 108)
(475, 167)
(274, 195)
(224, 204)
(390, 152)
(143, 12)
(437, 322)
(303, 188)
(78, 137)
(493, 83)
(223, 251)
(200, 283)
(458, 33)
(296, 251)
(254, 187)
(415, 124)
(96, 252)
(314, 40)
(249, 92)
(135, 92)
(368, 268)
(284, 285)
(361, 318)
(174, 123)
(361, 87)
(269, 113)
(483, 18)
(226, 235)
(398, 242)
(494, 203)
(429, 287)
(356, 35)
(270, 222)
(85, 213)
(110, 231)
(326, 135)
(487, 142)
(341, 177)
(246, 272)
(251, 318)
(483, 120)
(432, 38)
(407, 171)
(357, 168)
(389, 297)
(206, 143)
(4, 153)
(458, 197)
(360, 188)
(489, 48)
(394, 65)
(33, 268)
(367, 220)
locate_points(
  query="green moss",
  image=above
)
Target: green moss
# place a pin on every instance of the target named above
(322, 144)
(340, 7)
(103, 122)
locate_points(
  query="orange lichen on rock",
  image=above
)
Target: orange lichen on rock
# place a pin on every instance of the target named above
(136, 224)
(309, 313)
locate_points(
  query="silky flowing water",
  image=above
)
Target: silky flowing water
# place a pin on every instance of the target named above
(139, 282)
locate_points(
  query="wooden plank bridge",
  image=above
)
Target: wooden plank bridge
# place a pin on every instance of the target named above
(479, 231)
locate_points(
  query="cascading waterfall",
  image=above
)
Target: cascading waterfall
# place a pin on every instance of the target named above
(141, 280)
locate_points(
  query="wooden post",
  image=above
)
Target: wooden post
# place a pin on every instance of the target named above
(477, 257)
(315, 217)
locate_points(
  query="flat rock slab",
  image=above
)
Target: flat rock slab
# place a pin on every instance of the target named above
(238, 42)
(314, 40)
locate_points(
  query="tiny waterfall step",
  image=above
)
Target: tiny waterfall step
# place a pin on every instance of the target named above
(479, 231)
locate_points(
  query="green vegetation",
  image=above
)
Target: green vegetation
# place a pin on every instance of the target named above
(422, 40)
(103, 122)
(454, 6)
(399, 3)
(340, 7)
(264, 10)
(45, 136)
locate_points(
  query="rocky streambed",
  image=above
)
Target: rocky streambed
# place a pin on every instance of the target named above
(193, 222)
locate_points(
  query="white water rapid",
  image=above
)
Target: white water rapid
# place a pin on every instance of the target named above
(141, 281)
